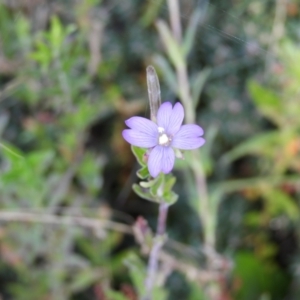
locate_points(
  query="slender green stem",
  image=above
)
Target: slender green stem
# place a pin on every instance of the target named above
(206, 214)
(185, 96)
(175, 19)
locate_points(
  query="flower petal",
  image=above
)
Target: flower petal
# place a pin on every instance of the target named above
(188, 143)
(163, 115)
(142, 125)
(188, 137)
(155, 160)
(168, 160)
(190, 130)
(139, 139)
(176, 119)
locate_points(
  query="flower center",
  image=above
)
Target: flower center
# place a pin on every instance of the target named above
(163, 138)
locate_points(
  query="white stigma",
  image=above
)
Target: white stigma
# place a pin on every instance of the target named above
(163, 140)
(160, 129)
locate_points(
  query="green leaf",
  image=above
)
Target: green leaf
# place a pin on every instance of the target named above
(11, 151)
(290, 54)
(189, 37)
(168, 73)
(137, 270)
(147, 184)
(196, 292)
(258, 277)
(170, 197)
(198, 83)
(267, 102)
(23, 32)
(170, 180)
(143, 193)
(42, 55)
(114, 295)
(280, 202)
(143, 173)
(157, 188)
(139, 153)
(84, 279)
(230, 186)
(172, 47)
(56, 34)
(151, 11)
(259, 144)
(39, 161)
(88, 172)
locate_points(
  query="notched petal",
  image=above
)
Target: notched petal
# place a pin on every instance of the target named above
(143, 125)
(163, 115)
(176, 119)
(190, 130)
(139, 139)
(188, 137)
(184, 143)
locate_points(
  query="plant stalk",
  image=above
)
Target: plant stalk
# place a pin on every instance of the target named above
(205, 212)
(158, 242)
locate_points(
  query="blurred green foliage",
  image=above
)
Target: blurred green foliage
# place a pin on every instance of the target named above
(71, 72)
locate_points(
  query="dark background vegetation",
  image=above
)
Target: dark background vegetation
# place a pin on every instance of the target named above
(71, 72)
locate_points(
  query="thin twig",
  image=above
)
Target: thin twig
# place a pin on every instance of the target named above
(158, 242)
(192, 272)
(189, 270)
(92, 223)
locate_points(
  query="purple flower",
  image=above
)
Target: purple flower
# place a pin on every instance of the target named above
(162, 137)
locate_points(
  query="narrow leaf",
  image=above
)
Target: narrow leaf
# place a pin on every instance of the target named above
(197, 85)
(139, 153)
(143, 173)
(13, 151)
(173, 49)
(189, 38)
(143, 193)
(168, 73)
(267, 102)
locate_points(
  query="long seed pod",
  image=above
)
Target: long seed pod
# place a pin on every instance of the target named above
(153, 92)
